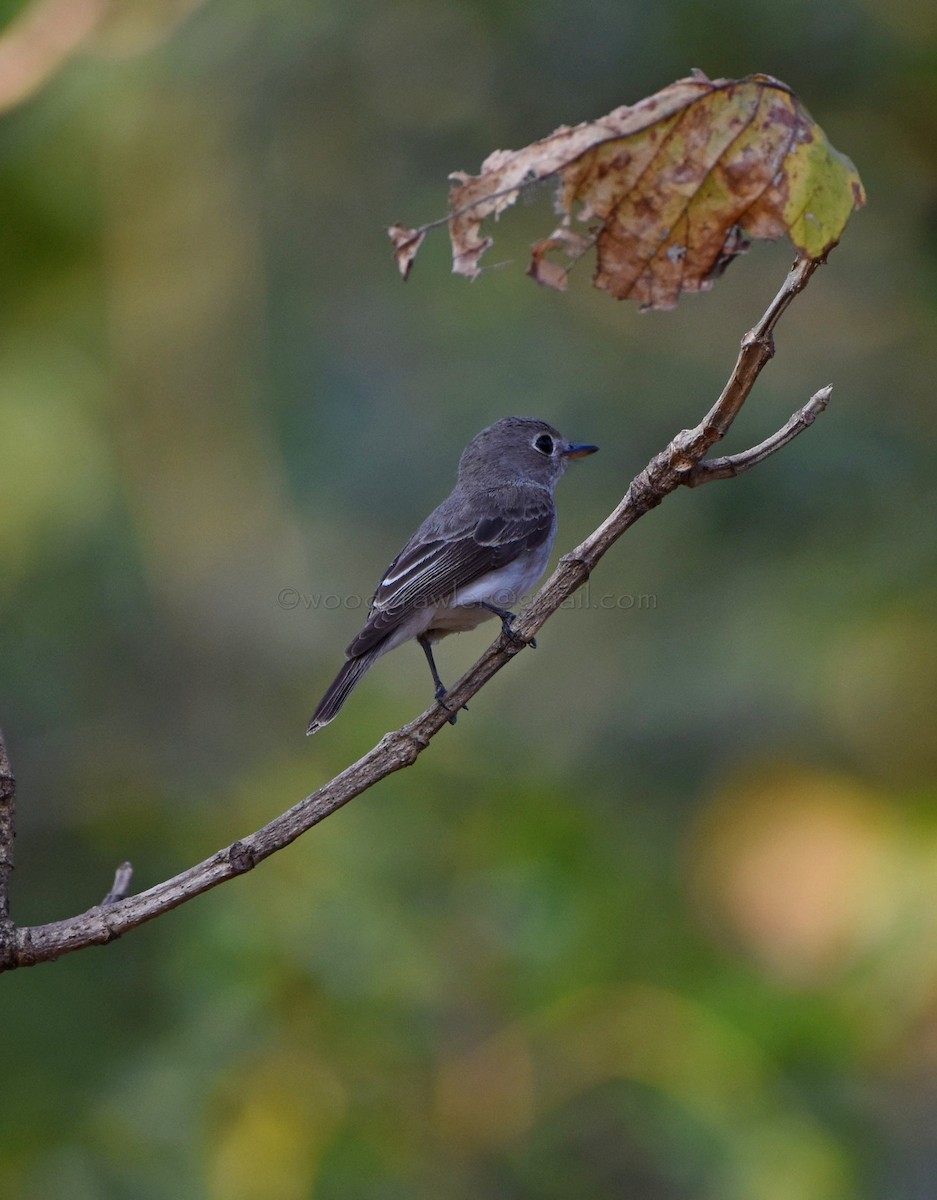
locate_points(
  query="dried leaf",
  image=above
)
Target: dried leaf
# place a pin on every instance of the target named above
(670, 189)
(406, 243)
(550, 273)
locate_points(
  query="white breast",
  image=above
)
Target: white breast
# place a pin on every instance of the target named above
(507, 585)
(504, 588)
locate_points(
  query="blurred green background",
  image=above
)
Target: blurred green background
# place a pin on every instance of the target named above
(658, 918)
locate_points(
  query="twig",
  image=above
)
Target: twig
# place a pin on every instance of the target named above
(736, 464)
(422, 230)
(756, 352)
(681, 463)
(123, 877)
(7, 832)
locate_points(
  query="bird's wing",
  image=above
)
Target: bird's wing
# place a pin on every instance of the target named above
(450, 551)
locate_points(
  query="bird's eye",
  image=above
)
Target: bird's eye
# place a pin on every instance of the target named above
(544, 444)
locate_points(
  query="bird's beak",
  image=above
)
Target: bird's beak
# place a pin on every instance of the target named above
(579, 451)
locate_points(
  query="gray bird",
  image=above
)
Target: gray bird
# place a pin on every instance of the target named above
(472, 558)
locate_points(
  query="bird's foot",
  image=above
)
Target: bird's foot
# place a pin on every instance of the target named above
(441, 694)
(507, 626)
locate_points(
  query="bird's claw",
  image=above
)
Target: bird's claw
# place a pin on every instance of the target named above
(507, 628)
(441, 701)
(507, 625)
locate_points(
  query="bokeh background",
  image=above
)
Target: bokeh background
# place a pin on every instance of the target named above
(658, 918)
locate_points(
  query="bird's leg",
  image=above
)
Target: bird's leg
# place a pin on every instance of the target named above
(507, 623)
(440, 686)
(428, 651)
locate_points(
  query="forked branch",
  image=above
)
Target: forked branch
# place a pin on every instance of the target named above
(681, 463)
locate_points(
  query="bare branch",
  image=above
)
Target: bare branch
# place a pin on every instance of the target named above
(681, 463)
(756, 352)
(737, 464)
(7, 832)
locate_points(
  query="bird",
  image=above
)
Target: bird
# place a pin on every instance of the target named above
(472, 558)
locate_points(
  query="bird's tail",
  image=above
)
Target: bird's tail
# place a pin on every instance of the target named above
(341, 688)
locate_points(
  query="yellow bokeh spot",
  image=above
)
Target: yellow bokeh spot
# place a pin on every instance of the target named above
(281, 1112)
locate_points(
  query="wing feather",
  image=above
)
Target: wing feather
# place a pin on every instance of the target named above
(448, 552)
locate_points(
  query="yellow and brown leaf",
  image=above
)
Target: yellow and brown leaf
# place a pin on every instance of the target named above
(667, 190)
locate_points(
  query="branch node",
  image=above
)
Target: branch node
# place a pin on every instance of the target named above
(684, 451)
(764, 342)
(110, 931)
(241, 857)
(403, 744)
(418, 740)
(573, 559)
(412, 743)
